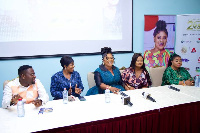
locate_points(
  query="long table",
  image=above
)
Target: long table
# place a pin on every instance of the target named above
(173, 111)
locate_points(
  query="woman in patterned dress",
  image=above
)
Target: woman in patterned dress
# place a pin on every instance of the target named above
(158, 56)
(107, 76)
(136, 76)
(175, 74)
(66, 78)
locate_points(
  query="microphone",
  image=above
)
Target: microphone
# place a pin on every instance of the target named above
(148, 96)
(173, 88)
(126, 99)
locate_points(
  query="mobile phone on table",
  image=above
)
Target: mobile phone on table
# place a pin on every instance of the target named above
(81, 98)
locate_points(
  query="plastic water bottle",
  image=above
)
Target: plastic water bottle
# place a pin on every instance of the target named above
(65, 96)
(197, 81)
(107, 95)
(20, 108)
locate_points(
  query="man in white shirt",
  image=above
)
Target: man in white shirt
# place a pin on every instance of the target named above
(26, 87)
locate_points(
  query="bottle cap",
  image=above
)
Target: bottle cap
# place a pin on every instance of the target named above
(20, 99)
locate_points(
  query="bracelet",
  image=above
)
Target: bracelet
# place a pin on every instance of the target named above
(108, 87)
(183, 82)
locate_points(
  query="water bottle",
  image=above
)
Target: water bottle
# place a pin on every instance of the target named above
(197, 81)
(107, 95)
(20, 108)
(65, 96)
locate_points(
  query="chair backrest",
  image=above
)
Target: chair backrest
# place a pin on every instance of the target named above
(156, 74)
(5, 82)
(90, 79)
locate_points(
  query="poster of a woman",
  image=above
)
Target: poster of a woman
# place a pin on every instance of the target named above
(159, 37)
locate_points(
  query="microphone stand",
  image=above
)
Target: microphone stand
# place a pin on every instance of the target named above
(126, 99)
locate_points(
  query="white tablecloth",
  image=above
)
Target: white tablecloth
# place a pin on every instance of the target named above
(93, 109)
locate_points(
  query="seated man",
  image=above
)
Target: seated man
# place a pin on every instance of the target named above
(27, 87)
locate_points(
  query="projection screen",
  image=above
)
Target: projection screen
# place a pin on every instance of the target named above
(40, 28)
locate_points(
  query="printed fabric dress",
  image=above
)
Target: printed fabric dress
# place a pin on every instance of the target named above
(159, 58)
(108, 79)
(129, 77)
(59, 82)
(172, 76)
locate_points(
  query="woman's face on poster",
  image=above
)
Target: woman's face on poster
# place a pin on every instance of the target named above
(160, 40)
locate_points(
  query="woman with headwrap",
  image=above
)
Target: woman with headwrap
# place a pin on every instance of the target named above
(107, 76)
(66, 78)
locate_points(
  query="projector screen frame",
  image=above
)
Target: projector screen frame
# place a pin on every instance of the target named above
(75, 54)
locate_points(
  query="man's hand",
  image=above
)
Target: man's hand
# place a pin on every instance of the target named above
(14, 99)
(37, 102)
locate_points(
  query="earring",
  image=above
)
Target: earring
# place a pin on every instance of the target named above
(103, 63)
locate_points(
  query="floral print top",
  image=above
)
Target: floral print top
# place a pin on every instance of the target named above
(129, 77)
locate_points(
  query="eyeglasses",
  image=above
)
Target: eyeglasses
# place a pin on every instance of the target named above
(110, 58)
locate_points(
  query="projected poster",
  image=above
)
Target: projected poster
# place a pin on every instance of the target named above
(159, 38)
(64, 26)
(188, 42)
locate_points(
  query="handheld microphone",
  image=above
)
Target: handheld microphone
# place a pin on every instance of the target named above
(123, 94)
(148, 96)
(173, 88)
(126, 99)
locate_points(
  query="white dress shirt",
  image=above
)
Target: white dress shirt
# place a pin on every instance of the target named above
(7, 92)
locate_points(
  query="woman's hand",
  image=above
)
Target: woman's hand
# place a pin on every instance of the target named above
(114, 90)
(70, 91)
(189, 82)
(131, 88)
(128, 87)
(77, 90)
